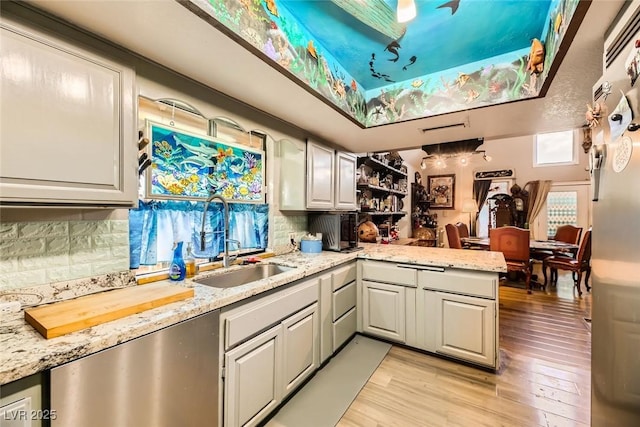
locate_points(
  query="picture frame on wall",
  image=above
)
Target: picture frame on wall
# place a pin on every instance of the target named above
(442, 191)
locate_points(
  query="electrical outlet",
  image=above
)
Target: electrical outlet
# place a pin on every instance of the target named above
(292, 237)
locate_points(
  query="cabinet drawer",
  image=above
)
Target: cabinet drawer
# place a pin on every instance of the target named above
(388, 272)
(344, 275)
(245, 321)
(343, 300)
(481, 284)
(344, 328)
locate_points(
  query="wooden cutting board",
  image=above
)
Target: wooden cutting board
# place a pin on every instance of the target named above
(64, 317)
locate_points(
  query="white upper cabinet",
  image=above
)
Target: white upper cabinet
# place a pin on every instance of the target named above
(346, 165)
(320, 167)
(292, 171)
(67, 127)
(331, 178)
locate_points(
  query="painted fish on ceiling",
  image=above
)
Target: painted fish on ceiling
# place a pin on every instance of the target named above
(412, 61)
(393, 49)
(453, 4)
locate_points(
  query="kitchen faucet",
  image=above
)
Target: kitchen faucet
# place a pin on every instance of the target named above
(225, 260)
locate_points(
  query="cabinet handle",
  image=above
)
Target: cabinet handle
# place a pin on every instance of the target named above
(429, 268)
(412, 267)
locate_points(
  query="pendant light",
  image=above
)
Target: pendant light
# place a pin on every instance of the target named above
(406, 10)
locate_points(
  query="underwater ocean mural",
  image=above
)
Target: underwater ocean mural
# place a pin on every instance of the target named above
(455, 55)
(189, 166)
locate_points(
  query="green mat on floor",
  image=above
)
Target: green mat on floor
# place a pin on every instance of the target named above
(324, 399)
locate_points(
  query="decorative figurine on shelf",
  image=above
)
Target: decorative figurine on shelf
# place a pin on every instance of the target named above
(418, 178)
(363, 178)
(375, 179)
(393, 233)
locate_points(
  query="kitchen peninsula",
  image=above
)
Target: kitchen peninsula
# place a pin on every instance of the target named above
(434, 298)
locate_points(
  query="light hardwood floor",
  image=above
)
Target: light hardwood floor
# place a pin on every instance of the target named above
(544, 377)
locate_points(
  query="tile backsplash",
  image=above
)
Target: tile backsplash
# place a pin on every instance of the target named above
(283, 225)
(33, 253)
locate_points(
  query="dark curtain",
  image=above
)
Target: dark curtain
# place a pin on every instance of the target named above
(480, 192)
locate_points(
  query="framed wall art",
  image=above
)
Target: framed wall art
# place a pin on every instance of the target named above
(188, 166)
(442, 191)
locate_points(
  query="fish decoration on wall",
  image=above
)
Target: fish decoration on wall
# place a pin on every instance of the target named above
(536, 57)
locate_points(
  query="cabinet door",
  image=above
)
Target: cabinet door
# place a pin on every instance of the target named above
(384, 310)
(292, 166)
(252, 387)
(300, 352)
(320, 170)
(67, 125)
(466, 328)
(345, 197)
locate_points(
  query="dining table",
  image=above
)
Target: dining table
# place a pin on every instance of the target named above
(534, 244)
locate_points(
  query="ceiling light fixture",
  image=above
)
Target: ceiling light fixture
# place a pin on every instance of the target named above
(439, 160)
(406, 10)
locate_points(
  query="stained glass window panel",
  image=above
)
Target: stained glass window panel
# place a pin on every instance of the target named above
(562, 208)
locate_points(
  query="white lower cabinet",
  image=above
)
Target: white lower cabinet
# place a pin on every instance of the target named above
(271, 345)
(262, 371)
(252, 386)
(465, 327)
(300, 343)
(383, 312)
(441, 310)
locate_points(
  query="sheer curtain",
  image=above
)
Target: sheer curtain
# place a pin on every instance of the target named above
(155, 225)
(538, 191)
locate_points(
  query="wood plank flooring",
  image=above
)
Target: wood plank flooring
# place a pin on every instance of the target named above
(544, 378)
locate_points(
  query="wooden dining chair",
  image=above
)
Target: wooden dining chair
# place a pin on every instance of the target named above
(463, 230)
(453, 236)
(513, 242)
(582, 262)
(569, 234)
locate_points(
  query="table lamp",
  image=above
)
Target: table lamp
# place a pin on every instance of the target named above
(471, 207)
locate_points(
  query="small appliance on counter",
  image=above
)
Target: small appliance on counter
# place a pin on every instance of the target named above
(311, 244)
(339, 230)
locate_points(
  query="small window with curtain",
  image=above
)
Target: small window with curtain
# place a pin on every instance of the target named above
(555, 149)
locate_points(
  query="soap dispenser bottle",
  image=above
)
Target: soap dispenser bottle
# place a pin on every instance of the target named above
(190, 262)
(177, 270)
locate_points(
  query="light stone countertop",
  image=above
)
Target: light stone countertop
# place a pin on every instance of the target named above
(23, 351)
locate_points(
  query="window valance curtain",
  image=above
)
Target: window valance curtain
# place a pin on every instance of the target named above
(155, 225)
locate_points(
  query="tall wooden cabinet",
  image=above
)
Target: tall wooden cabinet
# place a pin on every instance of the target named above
(68, 120)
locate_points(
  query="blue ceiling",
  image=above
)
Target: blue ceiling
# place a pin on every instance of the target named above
(442, 36)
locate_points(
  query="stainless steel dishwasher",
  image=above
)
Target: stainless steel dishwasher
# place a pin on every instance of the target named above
(166, 378)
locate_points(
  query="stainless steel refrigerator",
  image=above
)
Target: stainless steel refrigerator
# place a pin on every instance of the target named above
(615, 361)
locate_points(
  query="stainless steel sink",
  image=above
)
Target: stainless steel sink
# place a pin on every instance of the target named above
(244, 275)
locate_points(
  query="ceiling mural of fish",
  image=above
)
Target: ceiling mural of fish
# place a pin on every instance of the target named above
(455, 55)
